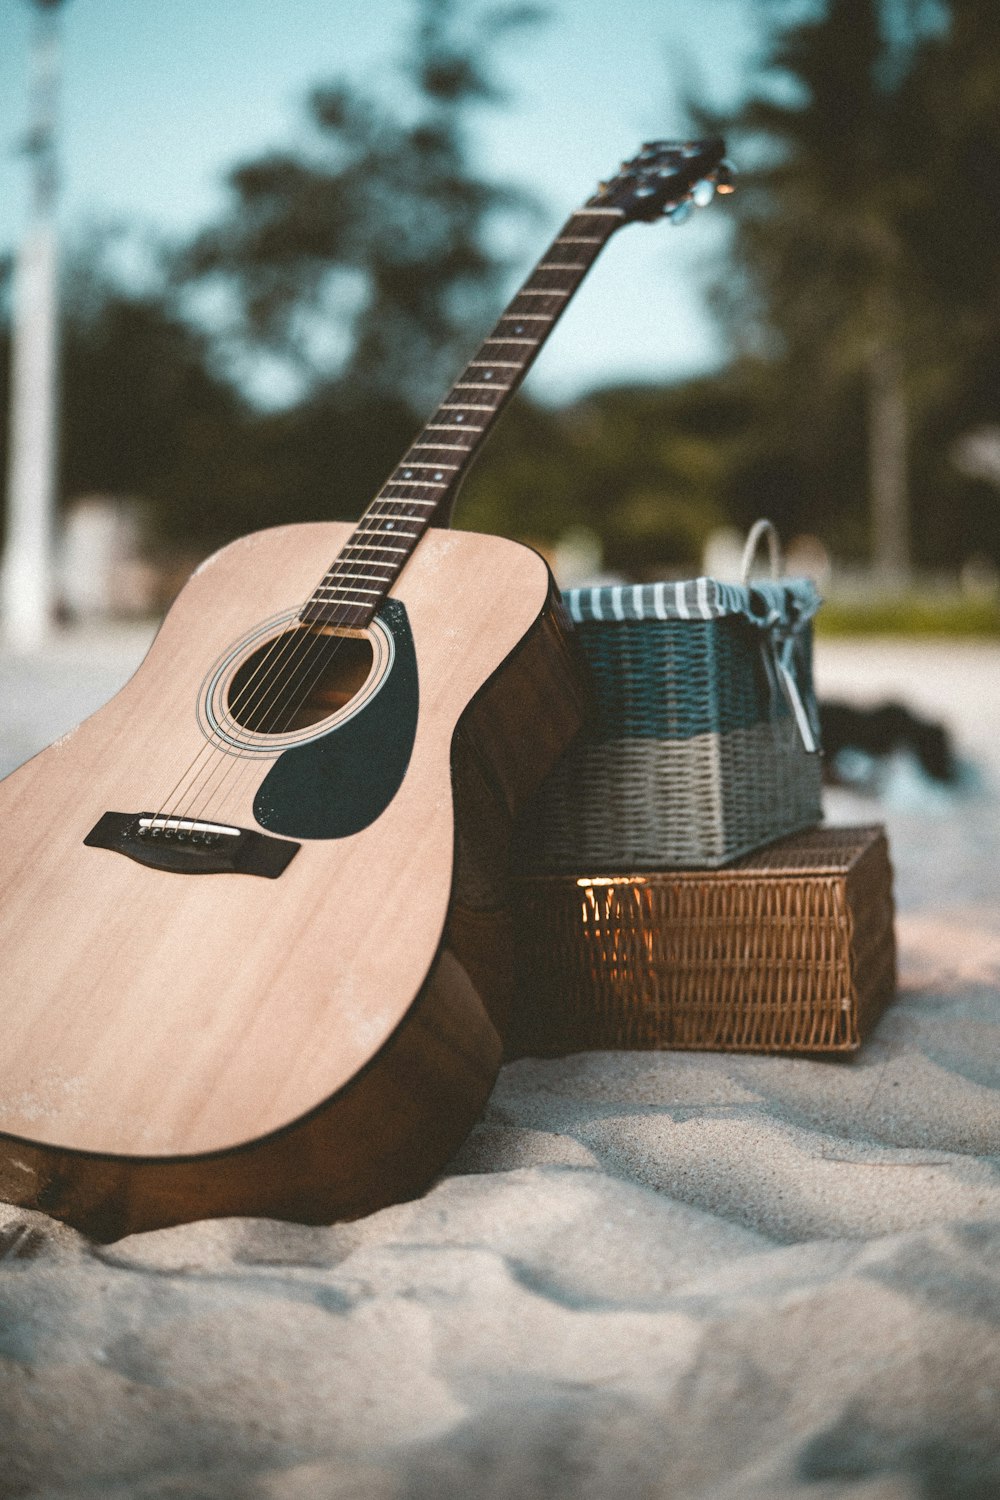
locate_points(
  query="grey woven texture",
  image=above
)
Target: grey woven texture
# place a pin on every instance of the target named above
(661, 804)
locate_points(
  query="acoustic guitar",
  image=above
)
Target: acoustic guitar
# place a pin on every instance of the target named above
(253, 924)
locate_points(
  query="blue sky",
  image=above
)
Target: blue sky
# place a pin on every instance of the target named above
(159, 99)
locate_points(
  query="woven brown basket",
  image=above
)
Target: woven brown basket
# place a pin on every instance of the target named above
(790, 949)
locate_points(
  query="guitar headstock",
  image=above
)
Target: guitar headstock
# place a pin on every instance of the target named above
(667, 178)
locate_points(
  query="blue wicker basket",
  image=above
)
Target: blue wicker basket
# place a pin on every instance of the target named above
(704, 744)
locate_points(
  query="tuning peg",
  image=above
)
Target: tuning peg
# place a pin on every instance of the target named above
(682, 211)
(703, 192)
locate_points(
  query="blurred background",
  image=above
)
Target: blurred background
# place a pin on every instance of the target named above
(245, 249)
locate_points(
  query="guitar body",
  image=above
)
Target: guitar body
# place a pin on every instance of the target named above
(184, 1038)
(253, 913)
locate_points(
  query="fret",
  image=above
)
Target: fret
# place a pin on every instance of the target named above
(502, 388)
(391, 521)
(382, 499)
(364, 571)
(336, 580)
(350, 616)
(391, 526)
(424, 484)
(462, 405)
(355, 546)
(346, 589)
(436, 448)
(453, 429)
(540, 279)
(405, 500)
(332, 581)
(483, 400)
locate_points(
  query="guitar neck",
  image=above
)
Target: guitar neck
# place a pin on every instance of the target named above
(422, 487)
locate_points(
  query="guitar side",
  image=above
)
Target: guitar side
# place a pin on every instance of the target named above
(313, 1046)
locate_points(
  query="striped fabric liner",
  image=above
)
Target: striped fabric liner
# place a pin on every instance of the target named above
(765, 603)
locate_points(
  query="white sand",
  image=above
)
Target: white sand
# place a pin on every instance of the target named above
(645, 1275)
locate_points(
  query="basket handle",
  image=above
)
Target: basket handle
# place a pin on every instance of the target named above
(757, 530)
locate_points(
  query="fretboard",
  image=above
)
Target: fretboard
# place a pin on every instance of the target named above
(422, 486)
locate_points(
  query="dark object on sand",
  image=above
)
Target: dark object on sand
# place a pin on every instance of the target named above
(881, 730)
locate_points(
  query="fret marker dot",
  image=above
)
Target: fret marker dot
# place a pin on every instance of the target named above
(459, 417)
(407, 473)
(487, 374)
(388, 525)
(439, 475)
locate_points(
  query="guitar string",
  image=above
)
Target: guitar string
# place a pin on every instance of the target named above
(301, 644)
(316, 644)
(489, 411)
(211, 755)
(309, 647)
(317, 656)
(292, 654)
(272, 672)
(543, 310)
(323, 655)
(550, 314)
(209, 748)
(289, 639)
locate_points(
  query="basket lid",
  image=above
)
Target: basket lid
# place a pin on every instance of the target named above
(787, 602)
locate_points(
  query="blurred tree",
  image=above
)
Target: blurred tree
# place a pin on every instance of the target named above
(644, 468)
(836, 141)
(954, 86)
(143, 413)
(368, 264)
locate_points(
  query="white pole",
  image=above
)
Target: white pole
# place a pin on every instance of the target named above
(27, 578)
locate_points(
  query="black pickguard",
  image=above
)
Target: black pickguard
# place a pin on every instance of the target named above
(341, 782)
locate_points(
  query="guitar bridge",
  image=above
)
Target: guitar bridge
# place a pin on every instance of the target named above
(191, 846)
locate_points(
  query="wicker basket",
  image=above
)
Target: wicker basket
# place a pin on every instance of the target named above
(703, 745)
(788, 950)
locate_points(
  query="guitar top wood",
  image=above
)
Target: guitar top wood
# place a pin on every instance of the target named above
(157, 1015)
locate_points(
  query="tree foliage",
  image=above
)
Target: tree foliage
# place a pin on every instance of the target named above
(865, 279)
(374, 241)
(142, 412)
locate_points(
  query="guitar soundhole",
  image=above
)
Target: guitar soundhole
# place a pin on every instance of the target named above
(298, 678)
